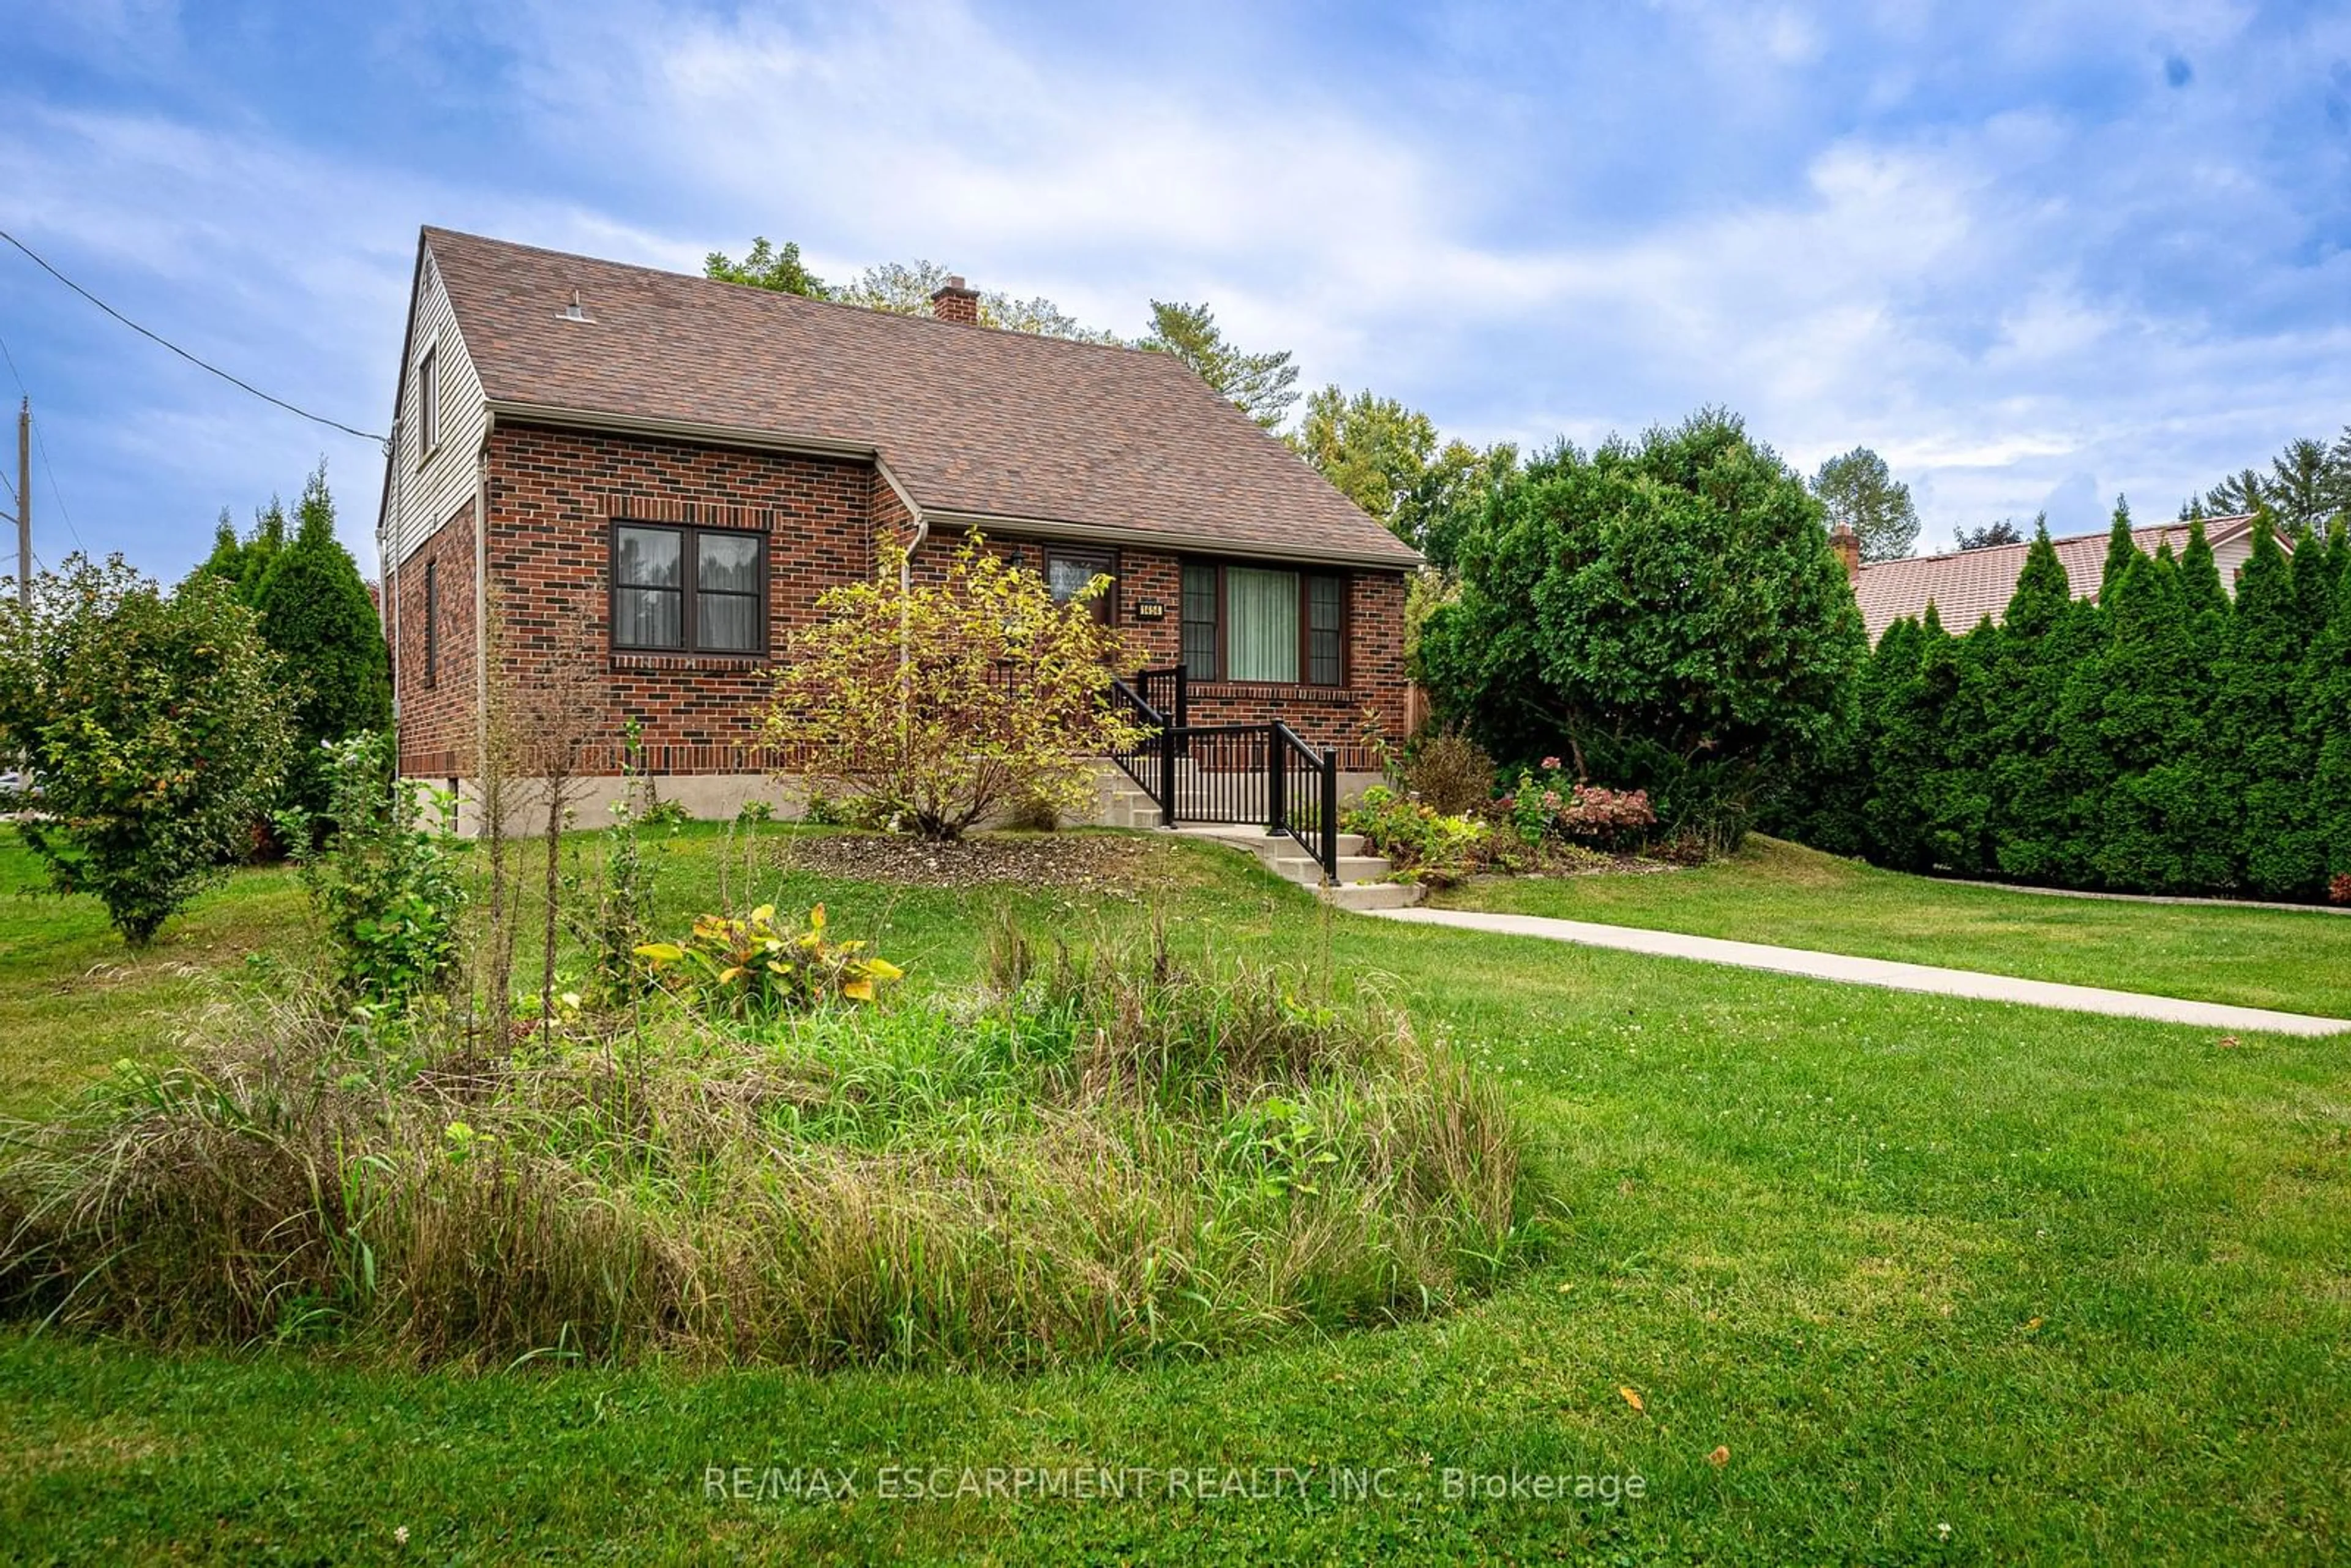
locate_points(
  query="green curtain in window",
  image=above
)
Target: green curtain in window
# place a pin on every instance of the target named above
(1261, 625)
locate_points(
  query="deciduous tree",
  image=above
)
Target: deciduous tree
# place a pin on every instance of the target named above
(1861, 493)
(949, 703)
(157, 725)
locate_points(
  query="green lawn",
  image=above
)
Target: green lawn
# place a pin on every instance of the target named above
(2293, 960)
(2079, 1288)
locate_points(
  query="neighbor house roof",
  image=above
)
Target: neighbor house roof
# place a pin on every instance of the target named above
(971, 423)
(1965, 586)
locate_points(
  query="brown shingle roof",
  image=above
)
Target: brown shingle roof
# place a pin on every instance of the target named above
(1968, 585)
(968, 420)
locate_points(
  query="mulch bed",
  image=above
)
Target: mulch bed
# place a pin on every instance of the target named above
(1068, 860)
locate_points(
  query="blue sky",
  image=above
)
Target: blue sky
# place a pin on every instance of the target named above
(2034, 254)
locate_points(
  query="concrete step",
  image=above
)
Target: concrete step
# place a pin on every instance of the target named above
(1373, 894)
(1351, 868)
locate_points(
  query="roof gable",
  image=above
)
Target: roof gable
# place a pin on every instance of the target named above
(971, 422)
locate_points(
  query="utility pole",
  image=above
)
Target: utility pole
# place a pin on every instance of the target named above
(25, 503)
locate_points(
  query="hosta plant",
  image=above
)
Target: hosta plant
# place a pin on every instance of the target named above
(758, 967)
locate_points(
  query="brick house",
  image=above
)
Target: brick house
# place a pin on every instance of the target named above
(651, 477)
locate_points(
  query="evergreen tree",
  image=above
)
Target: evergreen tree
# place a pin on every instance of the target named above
(2120, 548)
(2263, 762)
(1903, 744)
(227, 560)
(2326, 728)
(2313, 585)
(2040, 641)
(2158, 830)
(315, 615)
(2200, 588)
(261, 550)
(1962, 681)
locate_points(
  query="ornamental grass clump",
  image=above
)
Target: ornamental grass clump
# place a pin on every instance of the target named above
(1109, 1156)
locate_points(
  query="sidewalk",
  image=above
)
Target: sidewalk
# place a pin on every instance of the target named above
(1879, 972)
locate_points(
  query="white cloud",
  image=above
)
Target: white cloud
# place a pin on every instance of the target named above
(2000, 299)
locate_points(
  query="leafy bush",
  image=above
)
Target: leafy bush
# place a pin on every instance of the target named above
(1110, 1157)
(384, 887)
(157, 728)
(954, 700)
(1669, 613)
(1434, 848)
(755, 968)
(1553, 805)
(1451, 772)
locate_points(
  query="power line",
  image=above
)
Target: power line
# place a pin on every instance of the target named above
(41, 445)
(200, 364)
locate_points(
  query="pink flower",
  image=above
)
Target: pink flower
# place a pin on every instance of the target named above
(1550, 764)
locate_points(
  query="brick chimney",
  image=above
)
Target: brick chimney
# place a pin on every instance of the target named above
(1847, 545)
(957, 301)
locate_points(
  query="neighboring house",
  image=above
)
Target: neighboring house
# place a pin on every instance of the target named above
(1968, 585)
(654, 475)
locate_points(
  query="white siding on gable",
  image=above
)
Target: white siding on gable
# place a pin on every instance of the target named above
(2231, 555)
(426, 488)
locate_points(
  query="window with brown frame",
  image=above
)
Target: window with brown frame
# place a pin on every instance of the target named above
(428, 404)
(1269, 625)
(683, 590)
(432, 623)
(1067, 572)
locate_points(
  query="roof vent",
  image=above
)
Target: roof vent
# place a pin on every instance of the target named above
(575, 311)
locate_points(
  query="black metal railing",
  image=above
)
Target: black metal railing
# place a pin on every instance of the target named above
(1139, 759)
(1166, 691)
(1304, 786)
(1219, 773)
(1238, 773)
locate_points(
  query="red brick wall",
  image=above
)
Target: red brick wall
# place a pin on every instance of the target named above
(553, 495)
(438, 738)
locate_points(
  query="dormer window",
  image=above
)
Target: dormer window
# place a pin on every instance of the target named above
(428, 404)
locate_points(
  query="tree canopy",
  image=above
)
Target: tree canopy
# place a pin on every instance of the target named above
(157, 725)
(899, 289)
(1262, 385)
(766, 267)
(2305, 485)
(317, 616)
(1861, 493)
(2003, 532)
(1669, 612)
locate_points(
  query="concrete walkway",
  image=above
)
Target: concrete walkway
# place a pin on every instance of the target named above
(1880, 972)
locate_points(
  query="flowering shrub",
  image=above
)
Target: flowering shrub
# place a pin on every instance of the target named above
(2339, 890)
(755, 968)
(1554, 806)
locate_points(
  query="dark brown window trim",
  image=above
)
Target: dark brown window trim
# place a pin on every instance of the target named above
(428, 405)
(687, 590)
(1106, 561)
(1306, 574)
